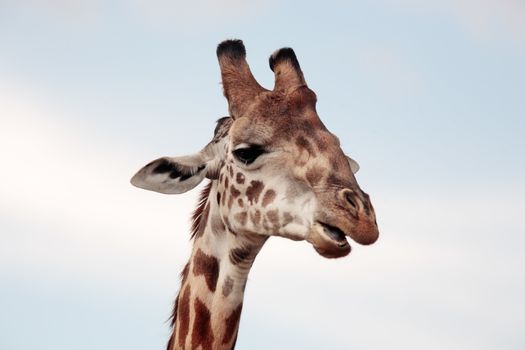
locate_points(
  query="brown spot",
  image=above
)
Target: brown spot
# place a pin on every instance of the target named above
(218, 198)
(217, 226)
(184, 316)
(324, 139)
(268, 197)
(254, 191)
(240, 178)
(241, 217)
(273, 217)
(322, 145)
(304, 144)
(234, 192)
(231, 172)
(226, 183)
(202, 334)
(265, 224)
(232, 324)
(227, 287)
(208, 266)
(314, 175)
(220, 178)
(241, 203)
(223, 197)
(256, 217)
(240, 255)
(287, 218)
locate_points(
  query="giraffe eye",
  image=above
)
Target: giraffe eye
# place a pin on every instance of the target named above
(248, 155)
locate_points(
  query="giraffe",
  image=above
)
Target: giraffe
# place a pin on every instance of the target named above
(274, 170)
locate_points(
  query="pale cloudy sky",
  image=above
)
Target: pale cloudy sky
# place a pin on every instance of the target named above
(428, 96)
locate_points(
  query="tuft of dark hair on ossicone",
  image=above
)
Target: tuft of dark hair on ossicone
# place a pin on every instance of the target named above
(284, 54)
(233, 48)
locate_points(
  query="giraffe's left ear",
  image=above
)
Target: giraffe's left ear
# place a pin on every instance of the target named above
(171, 175)
(353, 165)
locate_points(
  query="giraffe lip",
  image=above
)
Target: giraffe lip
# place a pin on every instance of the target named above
(334, 234)
(330, 241)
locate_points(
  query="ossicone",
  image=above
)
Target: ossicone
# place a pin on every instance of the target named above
(240, 87)
(288, 74)
(284, 54)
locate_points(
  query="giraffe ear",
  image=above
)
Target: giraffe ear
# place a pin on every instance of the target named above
(171, 175)
(354, 166)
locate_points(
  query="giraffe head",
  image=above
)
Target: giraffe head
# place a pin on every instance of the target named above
(277, 170)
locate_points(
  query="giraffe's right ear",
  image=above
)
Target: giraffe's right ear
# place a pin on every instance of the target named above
(354, 166)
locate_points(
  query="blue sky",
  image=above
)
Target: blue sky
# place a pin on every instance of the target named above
(427, 96)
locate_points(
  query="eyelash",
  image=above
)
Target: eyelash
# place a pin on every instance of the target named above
(248, 155)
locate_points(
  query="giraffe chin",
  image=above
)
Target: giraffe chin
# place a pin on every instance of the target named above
(329, 241)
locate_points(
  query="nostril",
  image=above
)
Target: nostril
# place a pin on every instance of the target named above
(350, 199)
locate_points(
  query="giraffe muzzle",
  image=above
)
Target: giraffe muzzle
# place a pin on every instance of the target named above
(363, 226)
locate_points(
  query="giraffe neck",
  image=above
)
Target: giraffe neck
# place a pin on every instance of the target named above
(209, 304)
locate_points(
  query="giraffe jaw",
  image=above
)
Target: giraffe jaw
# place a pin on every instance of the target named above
(329, 241)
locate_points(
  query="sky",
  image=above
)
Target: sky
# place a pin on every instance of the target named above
(428, 97)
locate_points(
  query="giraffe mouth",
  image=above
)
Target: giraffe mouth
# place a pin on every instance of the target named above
(334, 234)
(329, 241)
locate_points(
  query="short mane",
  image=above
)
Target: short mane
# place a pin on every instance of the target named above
(196, 219)
(199, 211)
